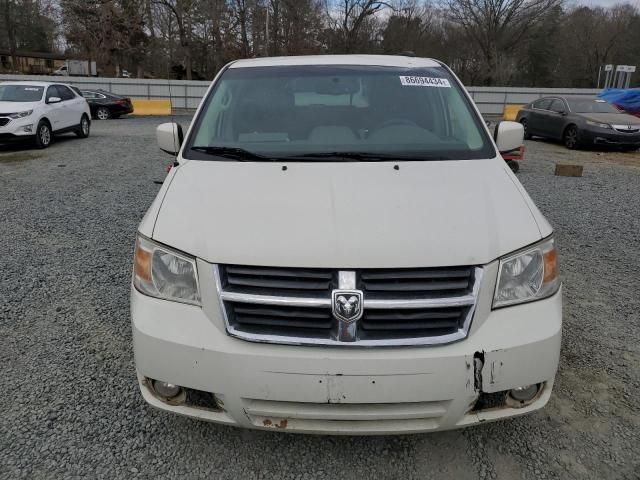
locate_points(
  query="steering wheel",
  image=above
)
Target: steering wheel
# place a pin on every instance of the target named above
(397, 121)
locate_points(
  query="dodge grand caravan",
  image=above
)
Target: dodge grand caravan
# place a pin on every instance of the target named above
(340, 248)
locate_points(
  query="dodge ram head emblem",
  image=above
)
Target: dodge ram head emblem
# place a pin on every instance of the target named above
(347, 305)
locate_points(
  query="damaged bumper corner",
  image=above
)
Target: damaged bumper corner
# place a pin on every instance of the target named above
(506, 410)
(348, 391)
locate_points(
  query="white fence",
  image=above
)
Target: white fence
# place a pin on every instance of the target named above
(187, 94)
(491, 100)
(184, 93)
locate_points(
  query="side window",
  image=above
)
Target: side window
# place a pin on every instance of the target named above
(65, 93)
(52, 91)
(461, 127)
(542, 104)
(100, 96)
(557, 106)
(86, 94)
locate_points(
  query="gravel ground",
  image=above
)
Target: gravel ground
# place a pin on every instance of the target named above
(70, 405)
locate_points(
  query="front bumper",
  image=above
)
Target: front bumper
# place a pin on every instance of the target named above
(339, 390)
(611, 137)
(18, 129)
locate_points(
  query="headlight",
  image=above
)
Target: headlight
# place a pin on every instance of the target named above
(17, 115)
(596, 124)
(161, 272)
(527, 275)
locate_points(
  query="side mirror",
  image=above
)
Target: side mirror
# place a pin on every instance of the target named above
(170, 137)
(508, 136)
(54, 100)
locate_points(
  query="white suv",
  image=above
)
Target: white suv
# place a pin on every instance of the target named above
(39, 110)
(342, 249)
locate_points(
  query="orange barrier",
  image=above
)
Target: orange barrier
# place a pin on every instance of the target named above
(151, 107)
(511, 112)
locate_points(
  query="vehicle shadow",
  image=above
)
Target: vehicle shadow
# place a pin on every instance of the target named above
(586, 148)
(29, 145)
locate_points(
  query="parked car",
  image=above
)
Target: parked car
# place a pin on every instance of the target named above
(580, 121)
(39, 110)
(341, 248)
(105, 105)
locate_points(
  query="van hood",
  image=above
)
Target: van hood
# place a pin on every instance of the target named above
(14, 107)
(346, 215)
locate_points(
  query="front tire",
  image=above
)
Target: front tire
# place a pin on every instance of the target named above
(513, 165)
(103, 113)
(84, 129)
(571, 137)
(43, 134)
(525, 125)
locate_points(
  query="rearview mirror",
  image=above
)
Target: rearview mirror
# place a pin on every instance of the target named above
(54, 100)
(169, 137)
(508, 136)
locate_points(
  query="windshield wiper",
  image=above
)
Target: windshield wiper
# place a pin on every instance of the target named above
(363, 156)
(234, 153)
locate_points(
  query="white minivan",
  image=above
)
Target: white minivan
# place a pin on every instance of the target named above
(341, 249)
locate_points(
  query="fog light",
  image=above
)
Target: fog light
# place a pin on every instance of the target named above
(28, 128)
(524, 394)
(166, 390)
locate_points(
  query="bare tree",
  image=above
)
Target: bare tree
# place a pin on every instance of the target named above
(149, 18)
(26, 25)
(241, 12)
(497, 26)
(348, 16)
(182, 10)
(302, 23)
(7, 10)
(411, 28)
(486, 42)
(592, 37)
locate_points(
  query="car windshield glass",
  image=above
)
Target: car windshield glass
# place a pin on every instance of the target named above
(317, 113)
(20, 93)
(591, 106)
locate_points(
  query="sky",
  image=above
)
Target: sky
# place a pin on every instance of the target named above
(606, 3)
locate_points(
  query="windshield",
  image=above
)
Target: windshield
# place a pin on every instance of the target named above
(320, 112)
(20, 93)
(591, 106)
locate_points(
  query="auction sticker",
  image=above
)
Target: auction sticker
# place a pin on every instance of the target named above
(424, 82)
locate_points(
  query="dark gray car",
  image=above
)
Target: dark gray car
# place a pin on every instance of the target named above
(580, 122)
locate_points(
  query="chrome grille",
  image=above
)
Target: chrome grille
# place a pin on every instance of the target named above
(626, 128)
(400, 306)
(277, 281)
(411, 283)
(264, 318)
(385, 323)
